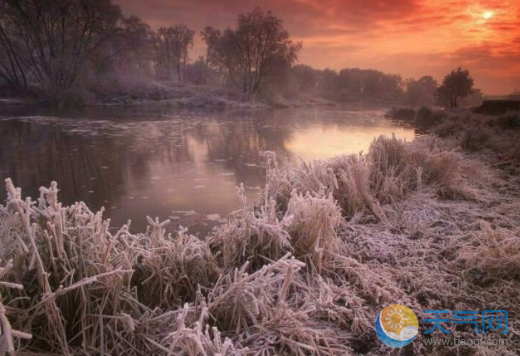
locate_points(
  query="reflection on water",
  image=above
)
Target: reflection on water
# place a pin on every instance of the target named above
(170, 164)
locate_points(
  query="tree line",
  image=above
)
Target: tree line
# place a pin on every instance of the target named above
(54, 46)
(353, 84)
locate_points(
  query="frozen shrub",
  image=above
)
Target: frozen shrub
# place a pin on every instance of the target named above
(332, 302)
(193, 339)
(444, 169)
(288, 332)
(345, 177)
(77, 275)
(360, 184)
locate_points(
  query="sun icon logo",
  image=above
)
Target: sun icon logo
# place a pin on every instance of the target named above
(397, 325)
(395, 319)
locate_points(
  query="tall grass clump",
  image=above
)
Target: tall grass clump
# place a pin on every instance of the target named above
(391, 175)
(72, 268)
(78, 288)
(313, 228)
(362, 184)
(492, 253)
(171, 270)
(397, 168)
(253, 236)
(240, 300)
(352, 189)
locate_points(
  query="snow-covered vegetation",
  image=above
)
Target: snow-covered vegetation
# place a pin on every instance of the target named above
(426, 224)
(170, 94)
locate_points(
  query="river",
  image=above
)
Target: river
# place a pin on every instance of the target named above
(166, 163)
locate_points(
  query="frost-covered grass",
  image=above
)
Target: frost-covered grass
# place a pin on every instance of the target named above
(177, 95)
(304, 272)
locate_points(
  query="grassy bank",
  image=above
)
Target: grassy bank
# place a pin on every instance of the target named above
(431, 224)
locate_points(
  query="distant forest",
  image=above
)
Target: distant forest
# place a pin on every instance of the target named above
(55, 49)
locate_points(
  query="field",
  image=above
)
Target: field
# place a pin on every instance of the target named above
(430, 224)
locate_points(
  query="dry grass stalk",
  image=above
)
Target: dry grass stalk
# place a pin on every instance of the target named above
(8, 335)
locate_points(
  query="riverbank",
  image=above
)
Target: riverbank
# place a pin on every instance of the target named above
(176, 95)
(431, 224)
(171, 95)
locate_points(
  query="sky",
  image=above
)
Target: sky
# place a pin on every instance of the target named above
(407, 37)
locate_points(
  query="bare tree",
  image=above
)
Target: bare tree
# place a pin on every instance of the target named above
(172, 49)
(211, 36)
(253, 51)
(136, 44)
(12, 66)
(163, 44)
(50, 41)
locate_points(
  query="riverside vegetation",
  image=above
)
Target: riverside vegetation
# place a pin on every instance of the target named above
(430, 224)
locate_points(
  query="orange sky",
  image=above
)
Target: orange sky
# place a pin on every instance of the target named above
(407, 37)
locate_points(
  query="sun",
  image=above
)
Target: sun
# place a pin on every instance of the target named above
(487, 15)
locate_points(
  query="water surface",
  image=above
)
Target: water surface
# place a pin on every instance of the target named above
(172, 164)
